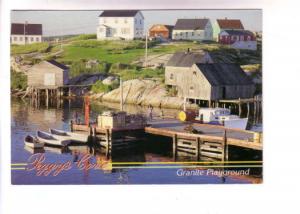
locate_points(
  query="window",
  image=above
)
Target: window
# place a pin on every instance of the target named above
(194, 73)
(191, 89)
(186, 34)
(31, 39)
(15, 38)
(192, 33)
(249, 38)
(125, 30)
(135, 21)
(171, 76)
(37, 39)
(242, 38)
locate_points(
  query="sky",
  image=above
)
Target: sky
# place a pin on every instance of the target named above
(84, 22)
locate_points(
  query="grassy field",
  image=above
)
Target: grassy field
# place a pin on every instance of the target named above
(24, 49)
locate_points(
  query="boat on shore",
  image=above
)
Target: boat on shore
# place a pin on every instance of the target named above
(221, 116)
(32, 142)
(71, 136)
(49, 139)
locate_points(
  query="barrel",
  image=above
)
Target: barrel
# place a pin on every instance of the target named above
(188, 115)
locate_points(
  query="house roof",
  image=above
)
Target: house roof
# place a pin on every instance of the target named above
(239, 32)
(185, 59)
(169, 27)
(230, 24)
(118, 13)
(57, 64)
(190, 24)
(224, 74)
(30, 29)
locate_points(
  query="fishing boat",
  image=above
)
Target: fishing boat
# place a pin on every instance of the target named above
(33, 142)
(221, 116)
(49, 139)
(72, 136)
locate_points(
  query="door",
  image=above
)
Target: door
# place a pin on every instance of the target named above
(49, 79)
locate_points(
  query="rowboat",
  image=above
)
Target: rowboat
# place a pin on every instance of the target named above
(48, 139)
(72, 136)
(33, 142)
(57, 150)
(34, 150)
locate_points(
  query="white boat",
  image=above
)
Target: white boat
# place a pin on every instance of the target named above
(57, 150)
(221, 116)
(49, 139)
(72, 136)
(33, 142)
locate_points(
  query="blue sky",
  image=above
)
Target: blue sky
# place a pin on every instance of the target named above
(77, 22)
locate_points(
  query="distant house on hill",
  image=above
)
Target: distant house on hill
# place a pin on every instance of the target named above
(226, 24)
(26, 33)
(193, 29)
(120, 24)
(180, 63)
(161, 31)
(215, 81)
(239, 39)
(48, 74)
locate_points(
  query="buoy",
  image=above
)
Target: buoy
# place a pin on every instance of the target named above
(186, 115)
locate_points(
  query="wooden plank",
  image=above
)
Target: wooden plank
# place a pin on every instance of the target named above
(208, 148)
(212, 155)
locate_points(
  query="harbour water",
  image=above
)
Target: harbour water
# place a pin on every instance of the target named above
(131, 166)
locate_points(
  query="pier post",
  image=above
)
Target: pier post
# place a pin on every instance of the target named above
(71, 125)
(47, 97)
(248, 109)
(240, 107)
(198, 148)
(225, 147)
(175, 147)
(108, 142)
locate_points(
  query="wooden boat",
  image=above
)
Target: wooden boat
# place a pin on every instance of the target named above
(48, 139)
(33, 142)
(72, 136)
(57, 150)
(34, 150)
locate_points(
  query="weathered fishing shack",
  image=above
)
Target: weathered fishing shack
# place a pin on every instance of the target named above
(48, 77)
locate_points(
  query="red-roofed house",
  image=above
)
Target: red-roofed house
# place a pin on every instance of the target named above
(239, 39)
(226, 24)
(24, 33)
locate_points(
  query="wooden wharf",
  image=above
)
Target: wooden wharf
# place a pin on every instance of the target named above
(206, 141)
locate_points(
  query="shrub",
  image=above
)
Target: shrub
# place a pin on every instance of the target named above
(18, 80)
(99, 87)
(84, 37)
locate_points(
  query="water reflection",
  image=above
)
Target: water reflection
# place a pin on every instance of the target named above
(28, 118)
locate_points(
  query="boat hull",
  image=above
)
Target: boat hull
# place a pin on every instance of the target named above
(51, 140)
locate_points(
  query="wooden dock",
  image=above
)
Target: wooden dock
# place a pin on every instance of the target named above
(208, 141)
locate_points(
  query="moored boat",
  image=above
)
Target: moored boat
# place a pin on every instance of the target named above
(72, 136)
(49, 139)
(33, 142)
(221, 116)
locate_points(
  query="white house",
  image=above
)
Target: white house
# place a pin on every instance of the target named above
(193, 29)
(120, 24)
(22, 34)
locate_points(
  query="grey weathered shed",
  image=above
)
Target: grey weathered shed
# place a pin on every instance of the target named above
(48, 74)
(181, 62)
(216, 81)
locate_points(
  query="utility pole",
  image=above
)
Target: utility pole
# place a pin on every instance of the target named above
(146, 50)
(121, 94)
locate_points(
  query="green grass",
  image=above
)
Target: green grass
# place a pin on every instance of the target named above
(72, 53)
(30, 48)
(128, 74)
